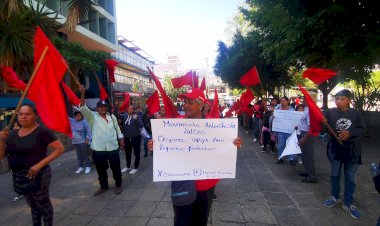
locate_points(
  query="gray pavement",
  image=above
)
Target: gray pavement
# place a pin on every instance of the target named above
(263, 193)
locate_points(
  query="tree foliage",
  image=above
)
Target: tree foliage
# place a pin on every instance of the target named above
(172, 92)
(292, 34)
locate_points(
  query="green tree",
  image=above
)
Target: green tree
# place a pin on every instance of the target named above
(77, 12)
(172, 92)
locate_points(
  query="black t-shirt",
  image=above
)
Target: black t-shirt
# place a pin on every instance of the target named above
(24, 152)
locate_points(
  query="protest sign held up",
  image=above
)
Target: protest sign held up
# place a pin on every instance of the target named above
(193, 149)
(285, 121)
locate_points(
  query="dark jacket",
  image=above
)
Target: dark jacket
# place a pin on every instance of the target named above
(131, 125)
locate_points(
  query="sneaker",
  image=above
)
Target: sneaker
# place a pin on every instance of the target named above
(330, 202)
(99, 191)
(246, 132)
(17, 198)
(299, 161)
(254, 140)
(87, 170)
(292, 162)
(352, 211)
(263, 150)
(118, 190)
(133, 171)
(279, 161)
(125, 169)
(79, 170)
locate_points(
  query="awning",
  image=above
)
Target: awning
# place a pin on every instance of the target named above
(11, 102)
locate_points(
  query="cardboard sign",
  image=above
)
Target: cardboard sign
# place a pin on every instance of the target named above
(194, 149)
(285, 121)
(292, 147)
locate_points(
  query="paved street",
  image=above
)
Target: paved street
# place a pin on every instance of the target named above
(262, 194)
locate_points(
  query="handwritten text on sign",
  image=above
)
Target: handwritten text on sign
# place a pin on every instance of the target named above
(193, 149)
(284, 120)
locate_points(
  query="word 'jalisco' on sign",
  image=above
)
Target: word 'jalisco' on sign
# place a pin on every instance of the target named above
(194, 149)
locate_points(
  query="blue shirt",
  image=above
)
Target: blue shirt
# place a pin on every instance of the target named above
(81, 131)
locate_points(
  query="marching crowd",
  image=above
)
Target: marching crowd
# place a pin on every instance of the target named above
(105, 134)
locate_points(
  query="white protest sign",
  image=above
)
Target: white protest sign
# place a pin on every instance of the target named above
(292, 147)
(193, 149)
(284, 120)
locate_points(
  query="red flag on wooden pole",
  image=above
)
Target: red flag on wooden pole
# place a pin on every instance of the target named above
(45, 90)
(234, 107)
(71, 96)
(124, 106)
(11, 78)
(184, 80)
(153, 103)
(111, 64)
(170, 109)
(203, 84)
(103, 93)
(318, 75)
(250, 78)
(214, 112)
(315, 113)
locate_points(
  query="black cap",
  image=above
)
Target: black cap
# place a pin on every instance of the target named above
(344, 93)
(101, 103)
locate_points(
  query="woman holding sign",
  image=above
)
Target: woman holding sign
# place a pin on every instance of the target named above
(192, 199)
(282, 137)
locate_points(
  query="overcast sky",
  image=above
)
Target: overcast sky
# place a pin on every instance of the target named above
(188, 28)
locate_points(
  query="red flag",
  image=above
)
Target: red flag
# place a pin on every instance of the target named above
(318, 75)
(170, 109)
(315, 113)
(124, 106)
(111, 64)
(251, 78)
(203, 84)
(12, 79)
(103, 93)
(195, 80)
(45, 90)
(247, 97)
(236, 106)
(221, 109)
(214, 112)
(71, 96)
(153, 103)
(184, 80)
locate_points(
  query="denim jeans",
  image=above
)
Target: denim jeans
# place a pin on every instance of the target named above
(281, 139)
(82, 154)
(349, 170)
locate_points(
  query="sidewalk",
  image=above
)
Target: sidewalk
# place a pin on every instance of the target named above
(263, 193)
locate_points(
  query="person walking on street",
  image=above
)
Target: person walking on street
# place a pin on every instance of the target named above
(349, 124)
(132, 125)
(105, 136)
(27, 151)
(148, 127)
(81, 140)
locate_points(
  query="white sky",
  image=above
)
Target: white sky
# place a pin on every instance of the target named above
(188, 28)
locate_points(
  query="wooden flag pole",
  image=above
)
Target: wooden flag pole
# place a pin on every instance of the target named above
(27, 87)
(332, 131)
(73, 76)
(99, 83)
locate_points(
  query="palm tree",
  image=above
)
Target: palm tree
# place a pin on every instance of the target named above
(77, 10)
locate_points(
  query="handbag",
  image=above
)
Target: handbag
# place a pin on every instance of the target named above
(24, 185)
(183, 192)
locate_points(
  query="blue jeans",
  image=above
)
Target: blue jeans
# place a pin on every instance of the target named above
(82, 154)
(146, 146)
(349, 170)
(281, 139)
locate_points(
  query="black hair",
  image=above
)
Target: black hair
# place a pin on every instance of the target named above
(286, 98)
(77, 112)
(300, 106)
(31, 106)
(344, 93)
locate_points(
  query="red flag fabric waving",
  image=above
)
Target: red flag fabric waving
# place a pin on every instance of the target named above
(71, 96)
(203, 84)
(184, 80)
(45, 90)
(103, 93)
(170, 109)
(111, 64)
(214, 112)
(195, 80)
(12, 79)
(251, 78)
(318, 75)
(315, 113)
(124, 106)
(247, 97)
(153, 103)
(235, 107)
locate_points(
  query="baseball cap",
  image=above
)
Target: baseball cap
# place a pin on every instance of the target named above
(195, 93)
(101, 103)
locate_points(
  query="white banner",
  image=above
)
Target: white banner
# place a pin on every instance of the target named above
(285, 121)
(292, 146)
(193, 149)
